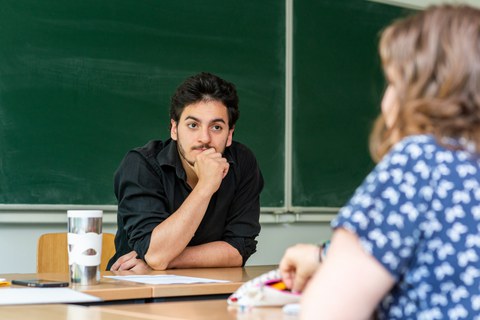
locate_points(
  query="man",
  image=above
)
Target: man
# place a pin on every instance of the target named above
(193, 200)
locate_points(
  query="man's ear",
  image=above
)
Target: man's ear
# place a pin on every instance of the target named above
(173, 129)
(230, 137)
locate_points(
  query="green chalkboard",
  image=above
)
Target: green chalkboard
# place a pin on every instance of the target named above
(82, 82)
(337, 91)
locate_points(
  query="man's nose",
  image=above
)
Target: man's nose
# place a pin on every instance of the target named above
(204, 136)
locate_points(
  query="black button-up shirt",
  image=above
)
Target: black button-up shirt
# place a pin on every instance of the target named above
(150, 185)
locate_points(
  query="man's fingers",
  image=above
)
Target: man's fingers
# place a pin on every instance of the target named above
(118, 265)
(209, 154)
(141, 267)
(210, 151)
(127, 265)
(225, 169)
(209, 157)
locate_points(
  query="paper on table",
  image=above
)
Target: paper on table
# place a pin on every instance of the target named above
(43, 295)
(164, 279)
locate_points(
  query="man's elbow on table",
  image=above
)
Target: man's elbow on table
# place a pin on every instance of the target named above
(156, 262)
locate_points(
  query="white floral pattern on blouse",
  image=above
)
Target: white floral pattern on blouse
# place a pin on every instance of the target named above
(418, 214)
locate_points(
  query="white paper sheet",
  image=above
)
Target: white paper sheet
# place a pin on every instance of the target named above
(164, 279)
(10, 296)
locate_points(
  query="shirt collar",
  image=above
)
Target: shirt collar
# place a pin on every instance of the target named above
(168, 156)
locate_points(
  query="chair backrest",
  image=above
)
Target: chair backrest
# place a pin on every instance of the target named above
(52, 252)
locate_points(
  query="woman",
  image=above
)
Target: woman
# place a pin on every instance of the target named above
(407, 245)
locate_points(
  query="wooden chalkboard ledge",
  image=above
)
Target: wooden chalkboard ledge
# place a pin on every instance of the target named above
(50, 213)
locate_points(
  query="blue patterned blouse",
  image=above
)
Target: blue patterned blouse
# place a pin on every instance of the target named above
(418, 214)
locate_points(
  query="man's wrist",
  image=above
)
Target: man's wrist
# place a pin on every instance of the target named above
(204, 191)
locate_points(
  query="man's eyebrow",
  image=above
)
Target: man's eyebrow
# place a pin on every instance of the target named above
(217, 120)
(212, 121)
(193, 118)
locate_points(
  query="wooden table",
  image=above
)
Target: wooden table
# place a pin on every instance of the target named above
(112, 290)
(60, 312)
(196, 310)
(107, 289)
(123, 291)
(236, 276)
(192, 310)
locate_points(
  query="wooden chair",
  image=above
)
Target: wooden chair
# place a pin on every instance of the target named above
(52, 252)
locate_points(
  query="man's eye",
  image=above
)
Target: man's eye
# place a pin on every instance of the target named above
(217, 128)
(192, 125)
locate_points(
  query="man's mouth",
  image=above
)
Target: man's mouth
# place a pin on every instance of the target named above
(201, 148)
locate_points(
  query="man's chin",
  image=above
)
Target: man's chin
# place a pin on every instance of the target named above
(190, 162)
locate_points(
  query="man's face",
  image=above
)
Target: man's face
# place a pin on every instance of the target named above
(202, 125)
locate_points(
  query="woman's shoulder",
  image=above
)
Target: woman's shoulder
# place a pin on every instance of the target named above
(410, 150)
(415, 142)
(425, 147)
(429, 147)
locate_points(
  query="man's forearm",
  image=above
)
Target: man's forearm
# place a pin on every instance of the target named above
(212, 254)
(170, 237)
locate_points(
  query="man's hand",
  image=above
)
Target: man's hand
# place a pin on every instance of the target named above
(130, 262)
(210, 167)
(298, 265)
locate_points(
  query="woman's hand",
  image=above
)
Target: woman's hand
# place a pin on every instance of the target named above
(298, 265)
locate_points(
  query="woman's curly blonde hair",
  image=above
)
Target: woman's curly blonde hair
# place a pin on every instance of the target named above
(435, 59)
